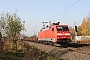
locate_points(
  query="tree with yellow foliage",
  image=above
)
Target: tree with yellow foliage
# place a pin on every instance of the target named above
(79, 31)
(84, 28)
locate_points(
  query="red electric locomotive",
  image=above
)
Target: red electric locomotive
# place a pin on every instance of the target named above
(56, 33)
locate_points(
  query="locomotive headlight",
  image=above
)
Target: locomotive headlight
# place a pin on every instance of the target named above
(67, 33)
(58, 36)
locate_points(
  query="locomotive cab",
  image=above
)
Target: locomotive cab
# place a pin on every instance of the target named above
(63, 34)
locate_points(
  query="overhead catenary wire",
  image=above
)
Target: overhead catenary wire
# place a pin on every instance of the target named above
(53, 9)
(65, 9)
(78, 16)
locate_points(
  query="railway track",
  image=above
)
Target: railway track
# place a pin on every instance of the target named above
(79, 48)
(73, 51)
(82, 51)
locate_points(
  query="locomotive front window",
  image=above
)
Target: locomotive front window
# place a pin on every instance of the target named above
(59, 28)
(64, 28)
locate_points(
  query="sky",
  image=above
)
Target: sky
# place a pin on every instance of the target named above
(34, 12)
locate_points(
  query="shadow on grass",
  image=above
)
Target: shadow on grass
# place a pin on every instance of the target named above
(37, 54)
(12, 56)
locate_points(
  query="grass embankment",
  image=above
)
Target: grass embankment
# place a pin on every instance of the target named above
(12, 56)
(26, 52)
(39, 55)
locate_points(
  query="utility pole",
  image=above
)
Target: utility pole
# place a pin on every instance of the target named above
(23, 29)
(34, 33)
(50, 24)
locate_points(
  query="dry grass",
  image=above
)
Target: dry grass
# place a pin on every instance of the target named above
(9, 54)
(25, 52)
(1, 47)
